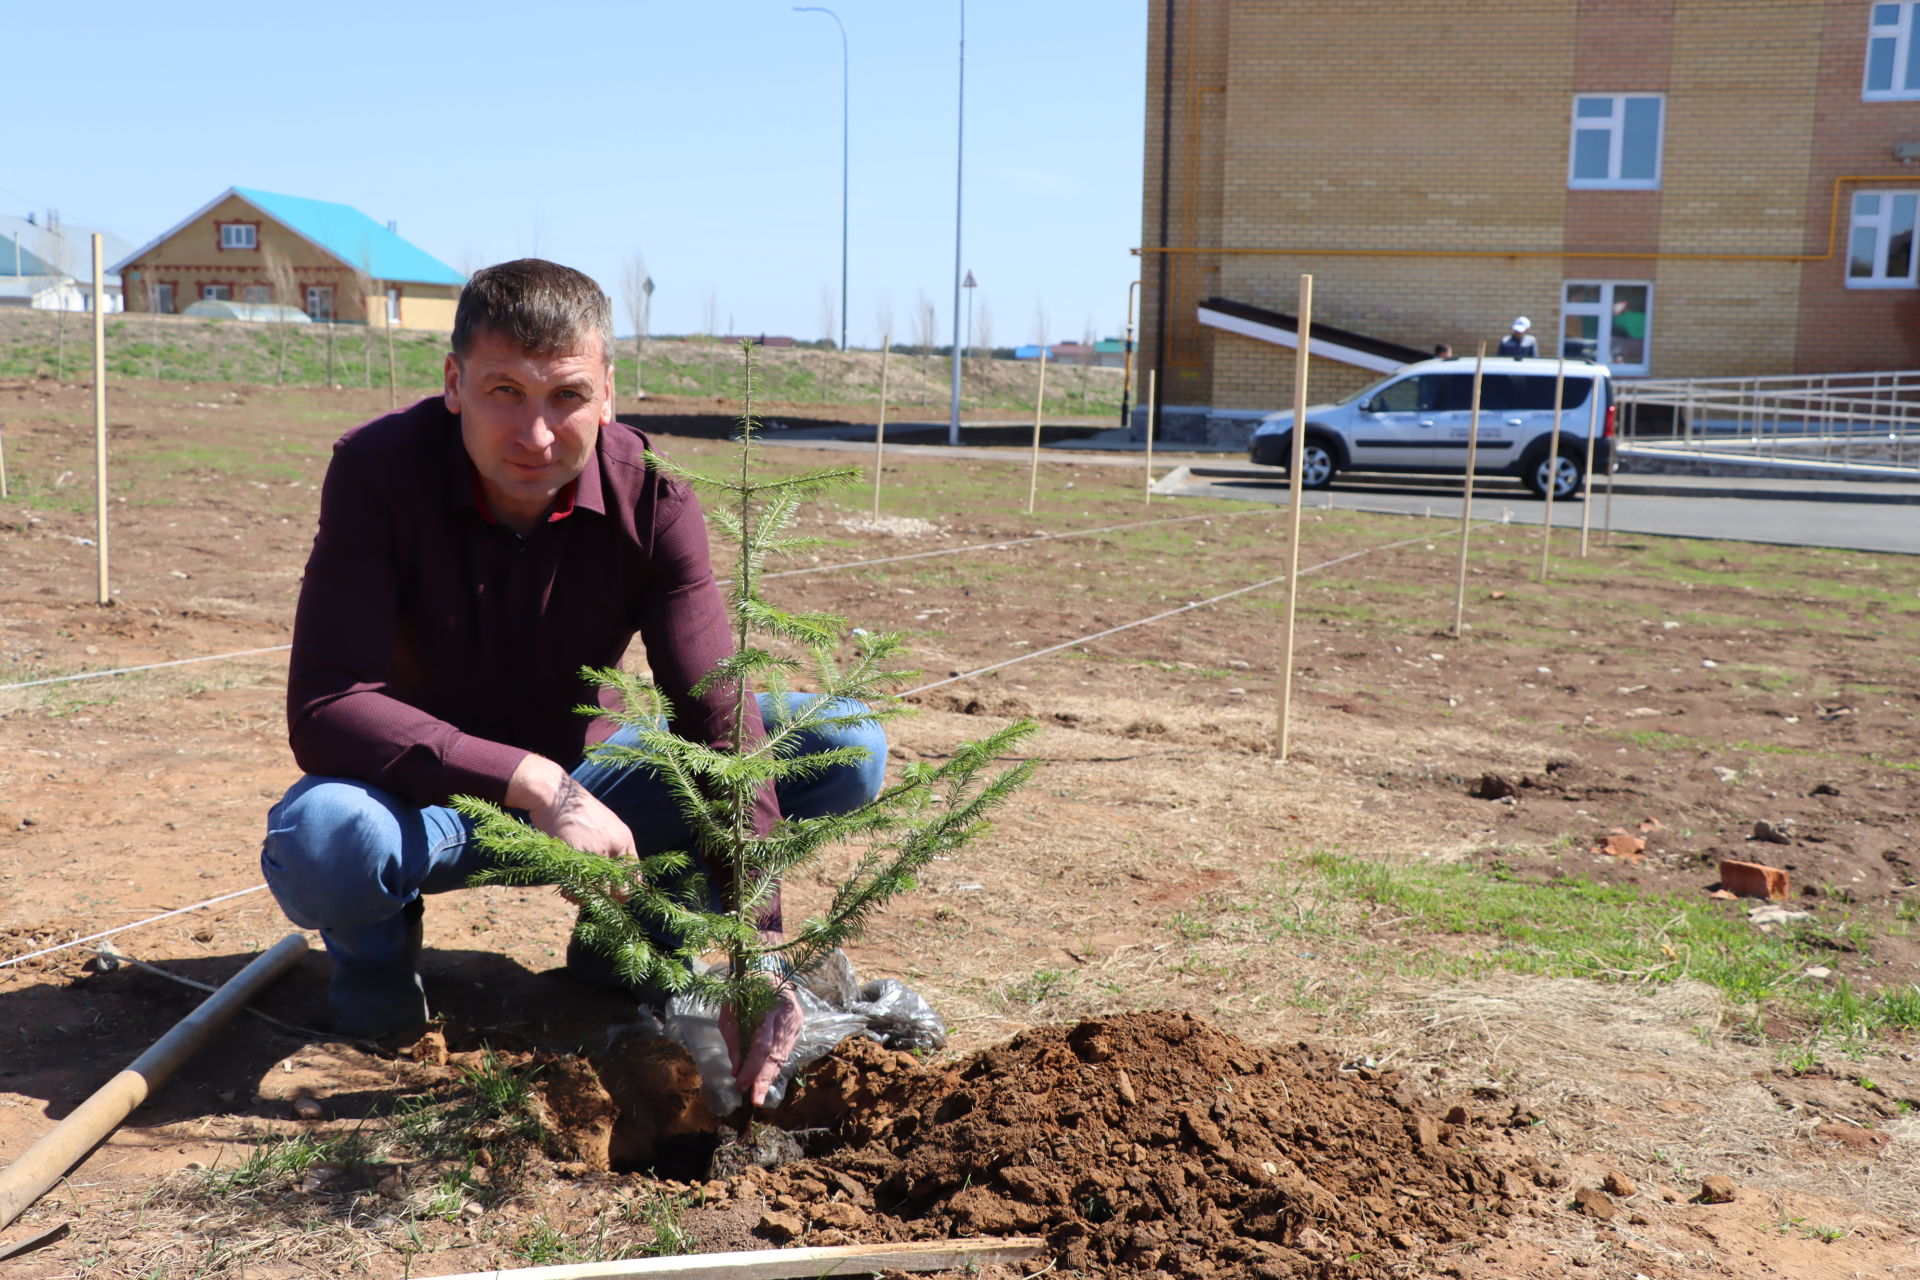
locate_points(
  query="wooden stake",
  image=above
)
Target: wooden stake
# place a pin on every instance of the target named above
(880, 431)
(100, 410)
(1586, 494)
(793, 1264)
(1466, 503)
(1153, 382)
(1553, 464)
(1606, 534)
(1039, 401)
(3, 459)
(1297, 494)
(48, 1160)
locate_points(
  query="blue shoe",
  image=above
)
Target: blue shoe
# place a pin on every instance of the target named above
(376, 996)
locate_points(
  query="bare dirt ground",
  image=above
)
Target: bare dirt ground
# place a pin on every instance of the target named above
(1314, 1078)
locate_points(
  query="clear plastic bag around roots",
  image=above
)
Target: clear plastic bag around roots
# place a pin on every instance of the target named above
(835, 1005)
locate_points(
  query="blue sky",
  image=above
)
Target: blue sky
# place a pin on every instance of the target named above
(704, 135)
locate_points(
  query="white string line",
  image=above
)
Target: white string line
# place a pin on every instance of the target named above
(151, 666)
(1141, 622)
(1025, 657)
(784, 573)
(107, 933)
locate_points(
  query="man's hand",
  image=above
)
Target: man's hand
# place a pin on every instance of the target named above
(565, 810)
(772, 1044)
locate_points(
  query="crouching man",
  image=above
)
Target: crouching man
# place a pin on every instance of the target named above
(474, 553)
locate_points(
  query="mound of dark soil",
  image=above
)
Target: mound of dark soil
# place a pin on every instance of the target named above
(1150, 1143)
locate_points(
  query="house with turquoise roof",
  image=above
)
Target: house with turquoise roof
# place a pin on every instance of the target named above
(329, 259)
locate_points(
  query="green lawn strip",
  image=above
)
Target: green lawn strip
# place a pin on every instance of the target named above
(1578, 928)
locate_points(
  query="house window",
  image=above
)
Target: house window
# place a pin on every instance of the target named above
(239, 235)
(217, 292)
(1880, 241)
(1616, 141)
(320, 301)
(1893, 54)
(256, 293)
(393, 306)
(1608, 321)
(163, 299)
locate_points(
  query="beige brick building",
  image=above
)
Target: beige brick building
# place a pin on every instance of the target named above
(1677, 187)
(328, 259)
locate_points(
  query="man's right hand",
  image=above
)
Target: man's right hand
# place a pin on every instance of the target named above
(565, 810)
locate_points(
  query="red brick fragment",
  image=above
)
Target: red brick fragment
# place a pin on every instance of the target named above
(1754, 880)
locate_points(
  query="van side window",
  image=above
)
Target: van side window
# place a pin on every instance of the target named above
(1402, 397)
(1497, 392)
(1455, 392)
(1537, 394)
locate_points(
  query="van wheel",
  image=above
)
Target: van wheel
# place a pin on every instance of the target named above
(1566, 478)
(1316, 465)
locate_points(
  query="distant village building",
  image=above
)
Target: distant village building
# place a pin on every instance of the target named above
(1108, 352)
(1677, 188)
(329, 260)
(46, 263)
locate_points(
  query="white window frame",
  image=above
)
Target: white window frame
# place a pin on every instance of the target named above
(393, 307)
(1900, 33)
(1603, 312)
(320, 302)
(163, 299)
(225, 293)
(1881, 222)
(1615, 125)
(255, 295)
(239, 235)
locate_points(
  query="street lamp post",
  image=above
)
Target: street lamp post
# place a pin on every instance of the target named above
(959, 172)
(843, 160)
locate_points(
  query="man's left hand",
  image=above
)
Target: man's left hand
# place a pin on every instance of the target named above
(773, 1043)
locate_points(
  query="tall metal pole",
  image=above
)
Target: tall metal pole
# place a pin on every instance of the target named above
(845, 115)
(1126, 375)
(959, 170)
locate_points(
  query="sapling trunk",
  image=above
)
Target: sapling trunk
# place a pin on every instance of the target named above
(653, 917)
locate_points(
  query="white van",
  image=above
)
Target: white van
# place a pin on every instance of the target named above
(1417, 422)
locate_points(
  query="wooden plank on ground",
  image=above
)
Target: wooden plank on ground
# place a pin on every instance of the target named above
(791, 1264)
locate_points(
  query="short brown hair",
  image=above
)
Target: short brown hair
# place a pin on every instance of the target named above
(540, 305)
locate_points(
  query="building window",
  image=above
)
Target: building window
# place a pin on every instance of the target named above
(1616, 141)
(1893, 54)
(1880, 241)
(217, 292)
(320, 301)
(239, 235)
(163, 299)
(1608, 321)
(256, 293)
(393, 306)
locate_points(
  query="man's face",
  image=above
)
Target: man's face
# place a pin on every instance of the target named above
(529, 422)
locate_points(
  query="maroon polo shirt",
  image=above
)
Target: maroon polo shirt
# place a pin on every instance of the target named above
(434, 648)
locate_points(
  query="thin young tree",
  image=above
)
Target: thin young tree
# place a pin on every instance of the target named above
(883, 314)
(281, 287)
(827, 314)
(983, 333)
(923, 324)
(934, 808)
(633, 288)
(363, 289)
(710, 314)
(54, 246)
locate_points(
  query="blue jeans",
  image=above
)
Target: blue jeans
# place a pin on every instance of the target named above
(347, 858)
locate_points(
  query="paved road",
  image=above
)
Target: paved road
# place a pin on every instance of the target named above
(1854, 515)
(1857, 515)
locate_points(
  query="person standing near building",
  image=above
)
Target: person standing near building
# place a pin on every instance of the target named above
(1520, 342)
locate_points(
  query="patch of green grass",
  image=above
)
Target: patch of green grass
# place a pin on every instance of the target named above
(275, 1162)
(1578, 928)
(661, 1215)
(489, 1107)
